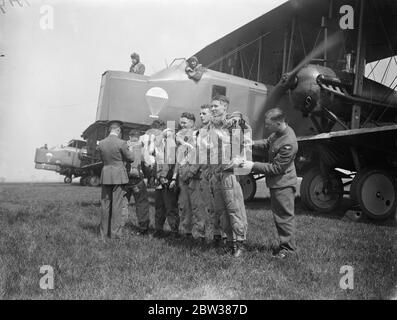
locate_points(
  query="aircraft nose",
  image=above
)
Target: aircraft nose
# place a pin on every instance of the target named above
(156, 98)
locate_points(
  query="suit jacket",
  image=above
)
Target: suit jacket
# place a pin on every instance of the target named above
(280, 171)
(114, 151)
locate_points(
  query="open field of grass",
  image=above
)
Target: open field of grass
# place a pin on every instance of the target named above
(56, 224)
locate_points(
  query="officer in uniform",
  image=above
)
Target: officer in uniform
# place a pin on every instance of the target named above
(227, 193)
(281, 177)
(136, 65)
(114, 204)
(136, 185)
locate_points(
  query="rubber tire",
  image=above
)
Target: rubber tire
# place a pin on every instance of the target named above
(251, 181)
(93, 181)
(355, 191)
(83, 181)
(305, 191)
(67, 180)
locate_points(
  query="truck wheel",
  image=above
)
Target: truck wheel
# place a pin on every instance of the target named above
(317, 194)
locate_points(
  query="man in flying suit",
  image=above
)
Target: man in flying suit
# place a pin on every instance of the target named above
(166, 199)
(136, 65)
(114, 204)
(187, 174)
(227, 192)
(204, 161)
(136, 186)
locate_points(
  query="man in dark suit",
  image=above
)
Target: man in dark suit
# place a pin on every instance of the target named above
(114, 204)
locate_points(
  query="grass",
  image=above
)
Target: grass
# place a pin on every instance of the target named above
(56, 224)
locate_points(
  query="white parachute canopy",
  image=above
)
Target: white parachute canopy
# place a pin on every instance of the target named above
(156, 98)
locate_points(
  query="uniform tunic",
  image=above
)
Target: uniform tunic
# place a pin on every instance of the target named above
(281, 179)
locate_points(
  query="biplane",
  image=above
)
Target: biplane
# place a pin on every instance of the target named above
(309, 57)
(68, 161)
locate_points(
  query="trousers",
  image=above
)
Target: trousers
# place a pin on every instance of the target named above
(229, 205)
(114, 204)
(139, 192)
(191, 208)
(283, 205)
(166, 205)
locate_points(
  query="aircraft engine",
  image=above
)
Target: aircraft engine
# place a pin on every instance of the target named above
(306, 93)
(308, 97)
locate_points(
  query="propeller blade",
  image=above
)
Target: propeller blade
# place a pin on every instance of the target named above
(289, 79)
(325, 45)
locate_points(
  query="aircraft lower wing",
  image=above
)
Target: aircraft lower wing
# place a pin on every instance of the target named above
(376, 142)
(351, 134)
(93, 165)
(50, 167)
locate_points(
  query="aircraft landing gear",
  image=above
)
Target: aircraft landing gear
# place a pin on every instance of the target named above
(319, 193)
(375, 191)
(93, 181)
(67, 179)
(248, 186)
(83, 181)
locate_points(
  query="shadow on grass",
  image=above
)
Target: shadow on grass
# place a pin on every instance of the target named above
(89, 203)
(90, 227)
(15, 217)
(338, 214)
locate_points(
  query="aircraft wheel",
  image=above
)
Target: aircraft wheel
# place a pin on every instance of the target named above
(67, 180)
(375, 192)
(248, 186)
(83, 181)
(93, 181)
(316, 195)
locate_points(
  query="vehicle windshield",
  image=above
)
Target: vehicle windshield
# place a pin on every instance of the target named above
(177, 62)
(76, 144)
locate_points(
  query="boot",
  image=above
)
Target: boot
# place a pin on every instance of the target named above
(238, 249)
(229, 247)
(201, 240)
(217, 240)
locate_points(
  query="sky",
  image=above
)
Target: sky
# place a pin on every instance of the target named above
(51, 69)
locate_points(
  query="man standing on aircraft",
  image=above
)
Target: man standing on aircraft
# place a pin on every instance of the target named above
(228, 196)
(187, 173)
(281, 177)
(136, 65)
(114, 152)
(193, 69)
(136, 185)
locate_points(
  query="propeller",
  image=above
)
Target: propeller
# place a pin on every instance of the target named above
(289, 80)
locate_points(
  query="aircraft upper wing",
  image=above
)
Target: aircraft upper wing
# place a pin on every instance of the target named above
(277, 26)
